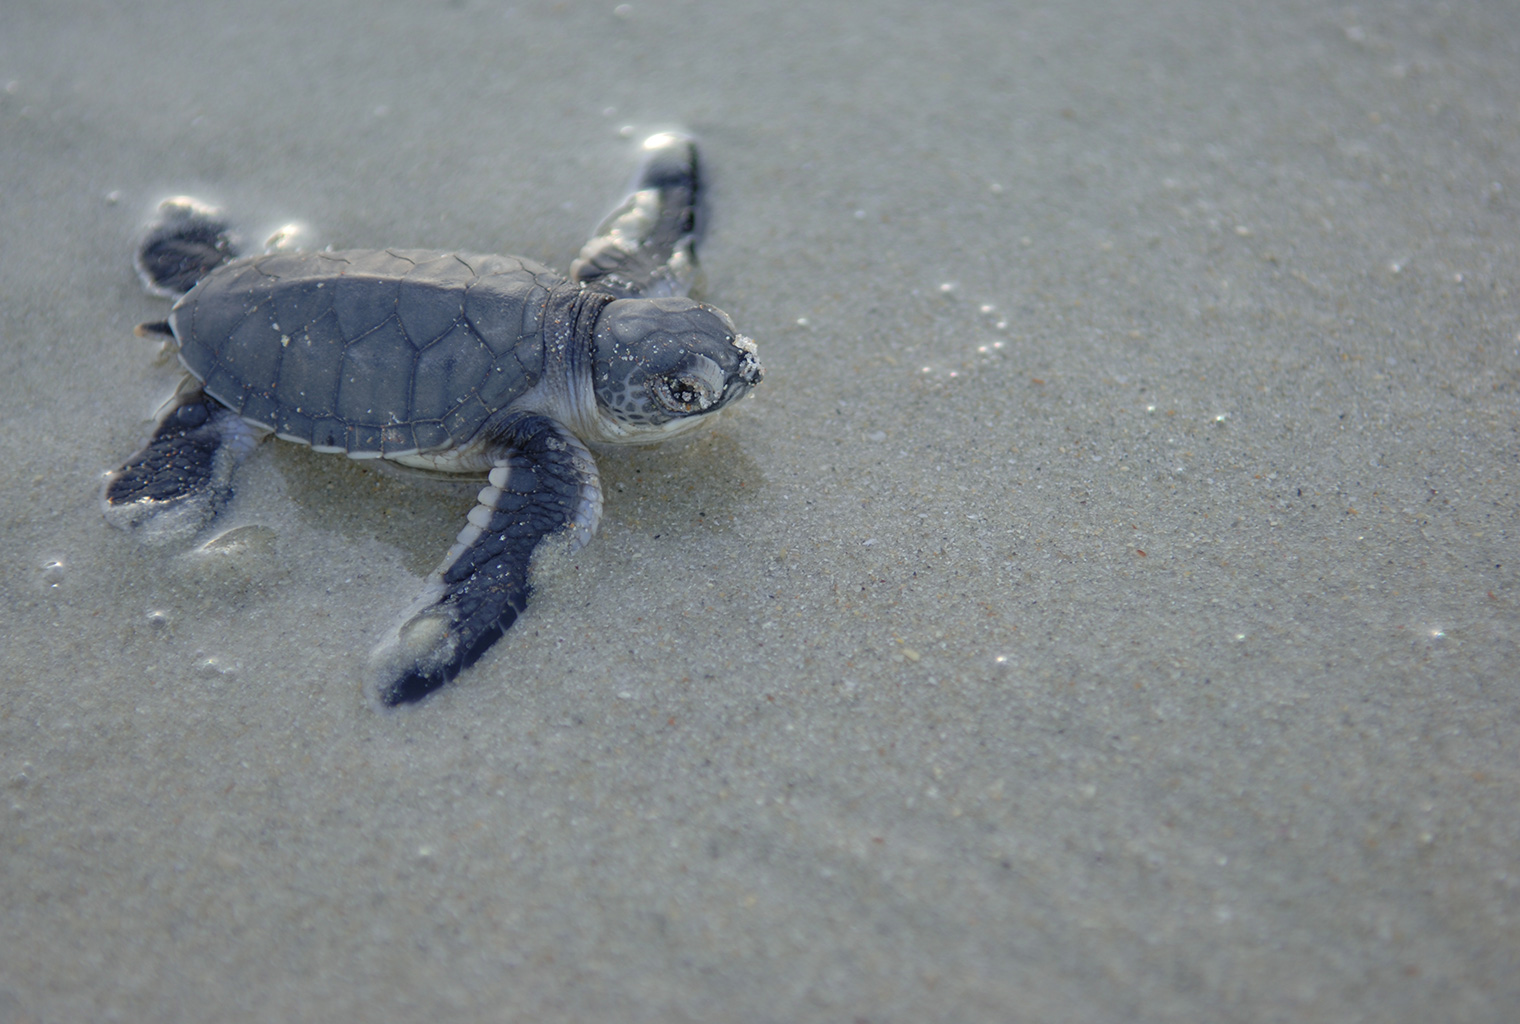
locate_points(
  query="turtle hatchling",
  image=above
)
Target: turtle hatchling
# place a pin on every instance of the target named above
(443, 361)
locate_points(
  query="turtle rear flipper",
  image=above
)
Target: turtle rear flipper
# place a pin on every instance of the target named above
(544, 484)
(178, 483)
(187, 240)
(646, 248)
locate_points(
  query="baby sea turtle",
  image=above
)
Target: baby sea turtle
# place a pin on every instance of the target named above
(453, 362)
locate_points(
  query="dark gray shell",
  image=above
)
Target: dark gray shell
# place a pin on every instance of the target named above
(372, 352)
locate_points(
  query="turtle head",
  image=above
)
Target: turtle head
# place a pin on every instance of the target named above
(662, 365)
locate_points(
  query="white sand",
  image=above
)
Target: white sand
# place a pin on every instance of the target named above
(1141, 648)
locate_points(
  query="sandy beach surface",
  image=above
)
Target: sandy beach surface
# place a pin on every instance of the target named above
(1106, 609)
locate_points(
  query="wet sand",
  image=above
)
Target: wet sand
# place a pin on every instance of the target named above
(1105, 610)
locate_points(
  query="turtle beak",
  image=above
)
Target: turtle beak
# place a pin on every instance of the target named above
(704, 378)
(750, 371)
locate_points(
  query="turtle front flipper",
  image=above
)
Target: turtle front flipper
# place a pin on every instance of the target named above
(186, 241)
(646, 248)
(544, 485)
(183, 477)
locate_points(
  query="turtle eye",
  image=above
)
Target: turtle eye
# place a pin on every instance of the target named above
(682, 394)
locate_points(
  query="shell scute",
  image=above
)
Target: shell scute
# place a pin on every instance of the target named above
(262, 408)
(362, 437)
(253, 350)
(495, 315)
(286, 267)
(388, 263)
(226, 388)
(329, 432)
(363, 302)
(462, 422)
(442, 270)
(292, 423)
(298, 304)
(374, 383)
(431, 435)
(505, 382)
(427, 310)
(450, 370)
(310, 367)
(398, 437)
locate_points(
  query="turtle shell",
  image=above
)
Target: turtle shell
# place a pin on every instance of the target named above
(371, 352)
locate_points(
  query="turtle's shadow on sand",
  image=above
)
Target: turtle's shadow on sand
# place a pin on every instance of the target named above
(666, 489)
(658, 488)
(416, 515)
